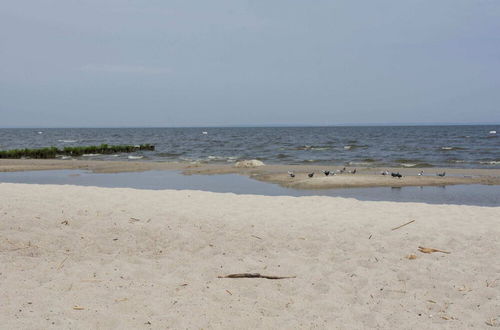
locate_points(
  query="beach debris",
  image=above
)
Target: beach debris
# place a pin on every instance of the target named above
(255, 275)
(65, 222)
(148, 323)
(61, 265)
(411, 257)
(249, 163)
(492, 322)
(310, 174)
(132, 220)
(431, 250)
(229, 292)
(256, 237)
(491, 284)
(404, 224)
(441, 174)
(78, 308)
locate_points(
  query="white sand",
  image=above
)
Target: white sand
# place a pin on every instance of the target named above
(350, 267)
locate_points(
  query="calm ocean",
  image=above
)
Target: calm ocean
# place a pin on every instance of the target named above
(409, 146)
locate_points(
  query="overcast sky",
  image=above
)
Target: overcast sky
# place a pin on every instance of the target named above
(205, 63)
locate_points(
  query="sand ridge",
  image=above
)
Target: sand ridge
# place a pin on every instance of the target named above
(365, 177)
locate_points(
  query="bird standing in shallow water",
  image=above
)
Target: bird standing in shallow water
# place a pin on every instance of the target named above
(441, 174)
(291, 174)
(421, 173)
(311, 175)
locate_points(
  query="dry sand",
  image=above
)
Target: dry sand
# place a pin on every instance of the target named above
(365, 177)
(96, 258)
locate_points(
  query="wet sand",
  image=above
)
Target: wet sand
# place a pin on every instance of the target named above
(365, 177)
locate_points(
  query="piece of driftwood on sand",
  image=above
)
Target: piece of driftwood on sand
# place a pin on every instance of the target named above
(255, 275)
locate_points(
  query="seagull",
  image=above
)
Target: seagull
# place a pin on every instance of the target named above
(421, 173)
(310, 174)
(441, 174)
(291, 174)
(353, 171)
(384, 172)
(327, 173)
(396, 175)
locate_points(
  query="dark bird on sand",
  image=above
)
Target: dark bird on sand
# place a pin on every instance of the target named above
(327, 173)
(396, 175)
(441, 174)
(291, 174)
(311, 175)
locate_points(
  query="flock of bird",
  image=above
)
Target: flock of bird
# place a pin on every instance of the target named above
(328, 173)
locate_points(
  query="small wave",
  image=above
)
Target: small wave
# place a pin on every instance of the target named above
(451, 148)
(359, 163)
(422, 164)
(90, 155)
(355, 146)
(135, 157)
(308, 147)
(68, 141)
(490, 162)
(169, 154)
(229, 159)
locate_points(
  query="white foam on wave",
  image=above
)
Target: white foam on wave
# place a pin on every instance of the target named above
(408, 164)
(359, 163)
(347, 147)
(135, 157)
(491, 162)
(90, 155)
(67, 141)
(446, 148)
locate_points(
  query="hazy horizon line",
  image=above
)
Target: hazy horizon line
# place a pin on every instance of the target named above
(268, 125)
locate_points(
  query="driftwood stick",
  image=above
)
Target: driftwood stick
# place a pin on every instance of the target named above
(431, 250)
(403, 225)
(255, 275)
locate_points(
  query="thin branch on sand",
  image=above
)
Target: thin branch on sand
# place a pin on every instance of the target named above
(403, 225)
(431, 250)
(255, 275)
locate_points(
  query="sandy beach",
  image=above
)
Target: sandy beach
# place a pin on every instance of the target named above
(96, 258)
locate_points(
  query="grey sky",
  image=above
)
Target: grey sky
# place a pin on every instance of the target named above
(196, 63)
